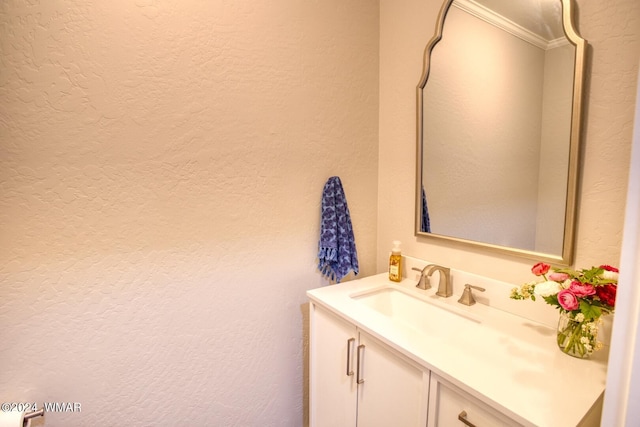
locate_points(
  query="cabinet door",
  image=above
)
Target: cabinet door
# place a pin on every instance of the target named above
(393, 390)
(332, 385)
(448, 405)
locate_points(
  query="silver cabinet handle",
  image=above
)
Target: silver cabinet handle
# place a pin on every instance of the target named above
(463, 417)
(359, 379)
(350, 342)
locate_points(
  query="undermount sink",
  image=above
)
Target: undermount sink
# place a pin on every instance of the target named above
(413, 311)
(431, 316)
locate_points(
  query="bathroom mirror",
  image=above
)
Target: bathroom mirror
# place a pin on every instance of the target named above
(498, 127)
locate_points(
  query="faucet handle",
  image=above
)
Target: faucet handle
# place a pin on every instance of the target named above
(423, 283)
(467, 295)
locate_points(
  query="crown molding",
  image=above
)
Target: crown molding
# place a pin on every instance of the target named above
(507, 25)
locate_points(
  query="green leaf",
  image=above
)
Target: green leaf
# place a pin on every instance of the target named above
(570, 272)
(552, 299)
(590, 311)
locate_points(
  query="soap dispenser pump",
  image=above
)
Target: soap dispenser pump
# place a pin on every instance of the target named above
(395, 263)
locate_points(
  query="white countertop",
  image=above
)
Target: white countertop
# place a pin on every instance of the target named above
(509, 362)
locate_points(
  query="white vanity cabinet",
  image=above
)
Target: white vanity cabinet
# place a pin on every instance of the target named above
(426, 361)
(356, 380)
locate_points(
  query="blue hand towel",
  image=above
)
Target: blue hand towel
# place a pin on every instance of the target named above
(425, 224)
(337, 248)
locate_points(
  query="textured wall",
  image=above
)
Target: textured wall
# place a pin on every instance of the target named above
(612, 29)
(161, 166)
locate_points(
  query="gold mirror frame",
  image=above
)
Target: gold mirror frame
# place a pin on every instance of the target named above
(566, 257)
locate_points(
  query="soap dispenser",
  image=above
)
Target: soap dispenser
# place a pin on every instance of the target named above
(395, 263)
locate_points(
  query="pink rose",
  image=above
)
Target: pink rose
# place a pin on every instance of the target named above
(540, 269)
(609, 268)
(581, 289)
(567, 300)
(558, 277)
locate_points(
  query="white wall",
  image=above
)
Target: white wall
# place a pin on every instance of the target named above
(612, 29)
(161, 167)
(623, 384)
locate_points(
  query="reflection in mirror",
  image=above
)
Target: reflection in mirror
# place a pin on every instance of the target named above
(498, 123)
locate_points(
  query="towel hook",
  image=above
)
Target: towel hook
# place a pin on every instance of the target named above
(33, 414)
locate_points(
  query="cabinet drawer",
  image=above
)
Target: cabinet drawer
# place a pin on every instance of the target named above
(448, 406)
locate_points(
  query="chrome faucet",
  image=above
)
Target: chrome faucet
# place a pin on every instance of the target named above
(445, 287)
(423, 283)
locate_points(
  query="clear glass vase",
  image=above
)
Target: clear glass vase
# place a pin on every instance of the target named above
(577, 336)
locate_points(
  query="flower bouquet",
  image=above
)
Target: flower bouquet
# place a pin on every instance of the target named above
(582, 296)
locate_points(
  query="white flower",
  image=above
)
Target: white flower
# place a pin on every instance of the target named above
(579, 317)
(609, 275)
(548, 288)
